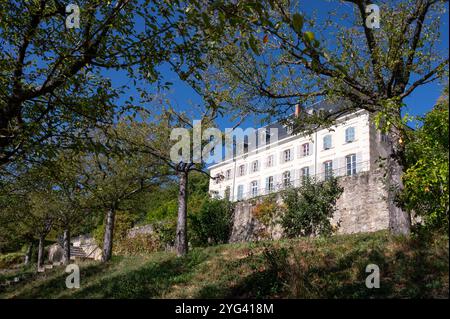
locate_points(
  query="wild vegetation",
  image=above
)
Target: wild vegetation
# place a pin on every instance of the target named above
(296, 268)
(88, 125)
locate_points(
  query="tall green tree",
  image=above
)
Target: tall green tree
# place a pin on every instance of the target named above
(426, 177)
(54, 82)
(155, 136)
(273, 56)
(114, 177)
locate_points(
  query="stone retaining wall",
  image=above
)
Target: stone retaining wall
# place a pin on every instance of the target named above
(362, 207)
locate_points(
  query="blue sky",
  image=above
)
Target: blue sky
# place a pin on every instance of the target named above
(182, 96)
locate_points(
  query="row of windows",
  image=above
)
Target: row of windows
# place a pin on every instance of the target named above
(286, 178)
(287, 156)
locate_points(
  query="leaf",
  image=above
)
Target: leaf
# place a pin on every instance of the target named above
(297, 22)
(309, 36)
(266, 38)
(253, 44)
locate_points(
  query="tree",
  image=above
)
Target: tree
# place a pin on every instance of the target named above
(309, 208)
(32, 208)
(281, 58)
(64, 175)
(151, 137)
(53, 83)
(426, 175)
(114, 177)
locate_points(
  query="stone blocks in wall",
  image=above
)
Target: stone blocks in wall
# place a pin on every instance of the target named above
(362, 207)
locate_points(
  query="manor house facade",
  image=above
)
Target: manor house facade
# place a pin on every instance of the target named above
(351, 146)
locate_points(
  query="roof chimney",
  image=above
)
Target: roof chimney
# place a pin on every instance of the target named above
(297, 110)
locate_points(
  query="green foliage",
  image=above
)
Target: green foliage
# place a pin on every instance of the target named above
(308, 209)
(426, 178)
(267, 213)
(325, 267)
(123, 222)
(11, 259)
(212, 224)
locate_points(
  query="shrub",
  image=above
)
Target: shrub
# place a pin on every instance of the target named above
(309, 208)
(212, 224)
(11, 259)
(266, 212)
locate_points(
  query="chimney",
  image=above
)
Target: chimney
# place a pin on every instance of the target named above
(297, 110)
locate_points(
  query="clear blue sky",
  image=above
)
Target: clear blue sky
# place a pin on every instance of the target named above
(182, 96)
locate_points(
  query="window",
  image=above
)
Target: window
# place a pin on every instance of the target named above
(228, 192)
(254, 188)
(350, 135)
(328, 169)
(327, 142)
(269, 184)
(287, 155)
(305, 173)
(240, 192)
(267, 136)
(255, 166)
(228, 174)
(350, 161)
(286, 179)
(305, 149)
(242, 170)
(270, 161)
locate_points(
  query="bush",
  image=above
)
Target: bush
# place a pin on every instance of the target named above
(309, 208)
(212, 224)
(266, 212)
(11, 259)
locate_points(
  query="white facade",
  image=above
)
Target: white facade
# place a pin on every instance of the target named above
(344, 149)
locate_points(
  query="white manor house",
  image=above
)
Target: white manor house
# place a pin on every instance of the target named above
(348, 148)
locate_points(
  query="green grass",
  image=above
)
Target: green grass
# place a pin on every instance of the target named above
(331, 267)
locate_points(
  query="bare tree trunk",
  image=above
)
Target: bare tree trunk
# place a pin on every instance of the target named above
(66, 246)
(181, 244)
(399, 220)
(108, 239)
(40, 260)
(29, 254)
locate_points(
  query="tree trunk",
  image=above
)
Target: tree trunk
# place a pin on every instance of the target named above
(181, 244)
(40, 260)
(29, 254)
(108, 239)
(399, 220)
(66, 247)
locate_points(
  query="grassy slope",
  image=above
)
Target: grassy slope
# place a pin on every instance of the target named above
(305, 268)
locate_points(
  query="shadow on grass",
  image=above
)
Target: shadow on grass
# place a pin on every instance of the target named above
(151, 280)
(55, 285)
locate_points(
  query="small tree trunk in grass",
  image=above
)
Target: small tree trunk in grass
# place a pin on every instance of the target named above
(66, 248)
(108, 238)
(399, 220)
(29, 253)
(181, 244)
(40, 260)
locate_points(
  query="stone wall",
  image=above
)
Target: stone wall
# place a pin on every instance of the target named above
(362, 207)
